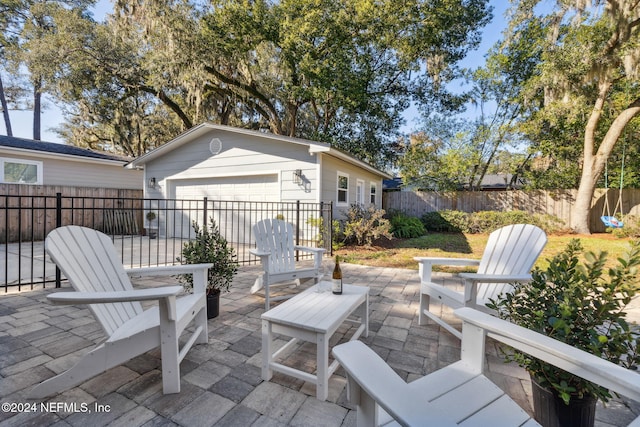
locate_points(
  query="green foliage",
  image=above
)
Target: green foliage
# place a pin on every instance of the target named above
(340, 71)
(364, 225)
(447, 221)
(486, 221)
(581, 304)
(406, 227)
(631, 227)
(209, 246)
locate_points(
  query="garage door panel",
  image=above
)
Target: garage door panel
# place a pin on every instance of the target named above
(256, 188)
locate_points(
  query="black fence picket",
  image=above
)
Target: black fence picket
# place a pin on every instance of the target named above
(140, 238)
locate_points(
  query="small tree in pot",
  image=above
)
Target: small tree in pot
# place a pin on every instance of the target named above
(209, 246)
(152, 232)
(581, 305)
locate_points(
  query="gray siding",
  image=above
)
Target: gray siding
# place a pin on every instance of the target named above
(84, 173)
(330, 168)
(241, 155)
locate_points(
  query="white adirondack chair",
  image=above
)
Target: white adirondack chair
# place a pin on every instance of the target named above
(90, 262)
(277, 253)
(460, 394)
(508, 257)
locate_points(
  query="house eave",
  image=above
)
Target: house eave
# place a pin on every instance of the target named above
(58, 156)
(346, 157)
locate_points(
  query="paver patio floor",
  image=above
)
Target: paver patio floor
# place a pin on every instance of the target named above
(221, 382)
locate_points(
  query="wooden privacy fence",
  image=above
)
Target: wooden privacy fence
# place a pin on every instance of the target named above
(28, 212)
(559, 203)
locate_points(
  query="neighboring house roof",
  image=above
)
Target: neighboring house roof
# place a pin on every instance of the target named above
(393, 184)
(499, 181)
(489, 182)
(50, 148)
(199, 130)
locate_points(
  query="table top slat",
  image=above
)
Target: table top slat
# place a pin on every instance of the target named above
(318, 312)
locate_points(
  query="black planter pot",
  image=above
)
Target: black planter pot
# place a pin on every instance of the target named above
(551, 411)
(213, 304)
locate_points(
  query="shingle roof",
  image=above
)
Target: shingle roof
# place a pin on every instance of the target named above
(51, 147)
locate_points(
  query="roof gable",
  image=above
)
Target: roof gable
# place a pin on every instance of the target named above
(202, 129)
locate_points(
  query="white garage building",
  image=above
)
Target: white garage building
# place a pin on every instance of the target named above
(224, 163)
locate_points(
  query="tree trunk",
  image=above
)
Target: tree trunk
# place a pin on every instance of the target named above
(593, 165)
(37, 108)
(5, 110)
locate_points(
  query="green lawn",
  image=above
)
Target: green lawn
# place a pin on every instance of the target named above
(399, 253)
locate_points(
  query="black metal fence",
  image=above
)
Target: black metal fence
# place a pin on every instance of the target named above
(146, 232)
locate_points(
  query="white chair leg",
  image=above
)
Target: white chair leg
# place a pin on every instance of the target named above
(267, 300)
(169, 351)
(92, 364)
(201, 320)
(424, 306)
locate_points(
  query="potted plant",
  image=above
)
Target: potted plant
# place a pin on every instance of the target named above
(581, 304)
(151, 231)
(209, 246)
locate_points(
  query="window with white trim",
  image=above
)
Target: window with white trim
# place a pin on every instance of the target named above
(373, 189)
(360, 192)
(342, 197)
(18, 171)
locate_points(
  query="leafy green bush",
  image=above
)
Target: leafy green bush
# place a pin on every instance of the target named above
(631, 227)
(487, 221)
(209, 246)
(446, 221)
(363, 226)
(581, 304)
(406, 227)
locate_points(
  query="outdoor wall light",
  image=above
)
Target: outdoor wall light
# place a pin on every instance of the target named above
(152, 182)
(297, 176)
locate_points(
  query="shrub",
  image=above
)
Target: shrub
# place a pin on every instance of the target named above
(363, 226)
(446, 221)
(579, 303)
(488, 221)
(406, 227)
(209, 246)
(631, 227)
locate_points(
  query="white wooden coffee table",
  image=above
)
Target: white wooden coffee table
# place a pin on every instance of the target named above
(313, 317)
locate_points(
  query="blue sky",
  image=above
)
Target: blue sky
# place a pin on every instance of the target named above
(22, 121)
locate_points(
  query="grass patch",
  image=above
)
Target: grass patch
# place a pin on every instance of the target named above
(399, 253)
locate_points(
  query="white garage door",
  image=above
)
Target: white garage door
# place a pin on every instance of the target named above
(256, 188)
(234, 225)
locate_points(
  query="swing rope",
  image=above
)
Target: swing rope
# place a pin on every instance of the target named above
(608, 219)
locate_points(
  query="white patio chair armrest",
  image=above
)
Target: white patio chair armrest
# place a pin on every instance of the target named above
(114, 296)
(199, 271)
(168, 270)
(259, 253)
(317, 254)
(564, 356)
(471, 281)
(425, 264)
(495, 278)
(308, 249)
(446, 261)
(368, 374)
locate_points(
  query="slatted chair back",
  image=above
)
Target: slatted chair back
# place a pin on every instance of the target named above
(510, 251)
(88, 259)
(276, 237)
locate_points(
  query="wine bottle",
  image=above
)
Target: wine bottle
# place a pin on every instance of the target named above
(336, 282)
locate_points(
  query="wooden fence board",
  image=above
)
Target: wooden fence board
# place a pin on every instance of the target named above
(32, 215)
(558, 203)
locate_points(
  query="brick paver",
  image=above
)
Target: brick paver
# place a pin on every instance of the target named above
(221, 383)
